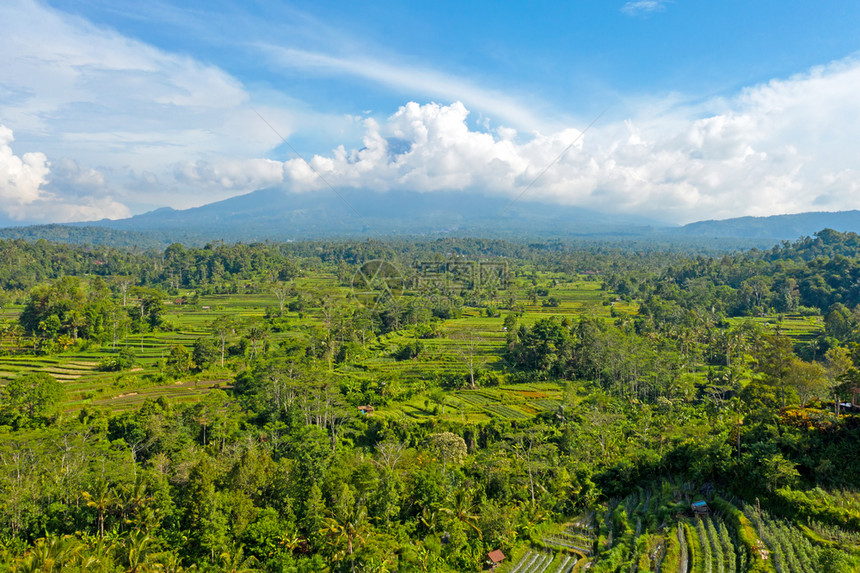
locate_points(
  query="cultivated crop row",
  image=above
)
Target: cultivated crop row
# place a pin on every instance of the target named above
(541, 562)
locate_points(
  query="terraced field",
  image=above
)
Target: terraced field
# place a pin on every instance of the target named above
(654, 529)
(518, 402)
(800, 328)
(563, 552)
(474, 333)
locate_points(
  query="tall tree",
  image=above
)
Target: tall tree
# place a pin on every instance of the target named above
(31, 396)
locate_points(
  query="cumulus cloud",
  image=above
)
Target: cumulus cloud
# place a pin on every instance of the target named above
(118, 104)
(229, 173)
(21, 178)
(781, 147)
(27, 186)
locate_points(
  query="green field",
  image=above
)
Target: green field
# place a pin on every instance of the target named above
(85, 385)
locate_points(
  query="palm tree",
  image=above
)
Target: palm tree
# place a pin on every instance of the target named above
(429, 519)
(98, 558)
(256, 334)
(170, 562)
(374, 566)
(346, 526)
(133, 502)
(74, 322)
(102, 500)
(461, 508)
(17, 333)
(139, 555)
(233, 560)
(51, 554)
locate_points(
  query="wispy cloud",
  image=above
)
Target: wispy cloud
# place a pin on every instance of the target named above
(73, 90)
(416, 82)
(637, 7)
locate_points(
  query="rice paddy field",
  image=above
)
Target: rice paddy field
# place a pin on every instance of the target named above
(797, 327)
(86, 385)
(474, 338)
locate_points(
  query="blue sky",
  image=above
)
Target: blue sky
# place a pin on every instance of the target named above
(709, 109)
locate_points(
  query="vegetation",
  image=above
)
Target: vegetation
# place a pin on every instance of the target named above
(393, 406)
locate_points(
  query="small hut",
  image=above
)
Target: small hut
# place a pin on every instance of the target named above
(700, 508)
(366, 409)
(495, 558)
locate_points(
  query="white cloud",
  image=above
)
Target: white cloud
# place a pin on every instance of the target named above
(637, 7)
(119, 105)
(785, 146)
(240, 174)
(124, 123)
(27, 183)
(415, 79)
(21, 178)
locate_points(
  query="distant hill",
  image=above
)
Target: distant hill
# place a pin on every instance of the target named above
(87, 235)
(277, 215)
(777, 227)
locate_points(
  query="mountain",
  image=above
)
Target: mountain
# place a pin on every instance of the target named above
(776, 227)
(273, 214)
(277, 215)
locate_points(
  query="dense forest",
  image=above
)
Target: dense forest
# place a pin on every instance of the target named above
(430, 406)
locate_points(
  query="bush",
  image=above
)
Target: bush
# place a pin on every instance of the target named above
(409, 351)
(123, 360)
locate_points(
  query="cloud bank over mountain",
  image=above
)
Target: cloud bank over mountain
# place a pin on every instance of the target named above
(104, 125)
(783, 147)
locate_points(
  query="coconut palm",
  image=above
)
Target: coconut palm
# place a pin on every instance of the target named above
(52, 553)
(461, 508)
(233, 560)
(347, 526)
(102, 500)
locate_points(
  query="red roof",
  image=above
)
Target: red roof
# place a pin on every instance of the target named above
(496, 556)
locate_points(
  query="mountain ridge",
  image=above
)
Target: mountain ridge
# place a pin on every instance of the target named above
(278, 215)
(778, 227)
(274, 214)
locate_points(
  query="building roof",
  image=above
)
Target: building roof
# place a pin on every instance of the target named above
(496, 556)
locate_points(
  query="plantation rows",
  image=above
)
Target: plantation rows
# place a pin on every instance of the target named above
(541, 562)
(655, 530)
(506, 412)
(791, 549)
(563, 552)
(643, 532)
